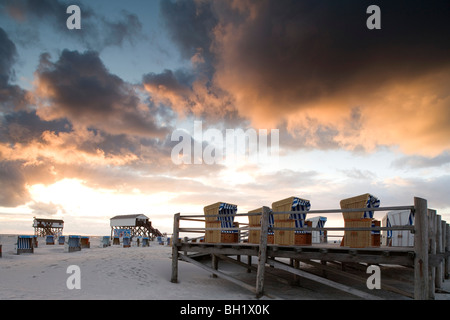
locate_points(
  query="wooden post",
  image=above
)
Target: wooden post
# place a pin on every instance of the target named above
(214, 263)
(439, 269)
(444, 246)
(176, 232)
(296, 277)
(421, 250)
(432, 248)
(447, 260)
(262, 253)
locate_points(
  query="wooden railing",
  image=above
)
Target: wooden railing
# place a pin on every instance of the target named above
(431, 242)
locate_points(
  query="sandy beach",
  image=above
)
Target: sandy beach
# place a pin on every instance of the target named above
(143, 273)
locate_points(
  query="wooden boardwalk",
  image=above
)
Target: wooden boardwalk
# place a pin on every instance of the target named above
(429, 258)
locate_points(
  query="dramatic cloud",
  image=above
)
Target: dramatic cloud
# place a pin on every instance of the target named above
(80, 119)
(80, 88)
(97, 31)
(12, 97)
(12, 184)
(310, 65)
(190, 95)
(25, 127)
(311, 69)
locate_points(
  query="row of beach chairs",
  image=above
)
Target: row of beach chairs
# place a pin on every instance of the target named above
(353, 239)
(84, 241)
(73, 243)
(128, 241)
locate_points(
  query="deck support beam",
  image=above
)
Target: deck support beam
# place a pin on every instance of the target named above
(421, 283)
(262, 252)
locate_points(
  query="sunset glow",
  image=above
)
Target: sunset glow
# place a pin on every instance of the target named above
(87, 115)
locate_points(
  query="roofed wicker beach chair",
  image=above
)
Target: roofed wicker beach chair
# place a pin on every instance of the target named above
(24, 244)
(360, 219)
(291, 220)
(226, 212)
(255, 222)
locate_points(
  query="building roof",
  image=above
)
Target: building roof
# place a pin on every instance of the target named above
(49, 220)
(128, 216)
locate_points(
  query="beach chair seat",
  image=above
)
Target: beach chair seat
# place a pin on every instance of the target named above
(24, 244)
(360, 219)
(291, 220)
(72, 244)
(399, 238)
(255, 222)
(226, 212)
(50, 240)
(319, 236)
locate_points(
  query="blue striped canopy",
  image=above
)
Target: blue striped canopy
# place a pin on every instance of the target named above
(271, 222)
(372, 202)
(299, 205)
(227, 212)
(411, 218)
(74, 241)
(388, 224)
(24, 242)
(321, 224)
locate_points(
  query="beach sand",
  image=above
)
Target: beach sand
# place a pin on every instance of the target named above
(143, 273)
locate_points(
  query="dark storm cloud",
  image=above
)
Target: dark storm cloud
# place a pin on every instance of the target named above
(285, 61)
(80, 88)
(11, 96)
(26, 127)
(190, 24)
(12, 184)
(97, 31)
(299, 51)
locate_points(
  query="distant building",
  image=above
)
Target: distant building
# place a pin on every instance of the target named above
(47, 227)
(133, 225)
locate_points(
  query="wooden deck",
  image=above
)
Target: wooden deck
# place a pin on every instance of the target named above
(325, 252)
(428, 258)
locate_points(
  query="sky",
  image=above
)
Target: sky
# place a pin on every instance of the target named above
(91, 118)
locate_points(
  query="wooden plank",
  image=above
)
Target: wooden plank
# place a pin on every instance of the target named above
(324, 281)
(235, 261)
(219, 273)
(421, 284)
(393, 255)
(262, 252)
(391, 208)
(357, 278)
(447, 260)
(176, 226)
(405, 259)
(438, 277)
(432, 252)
